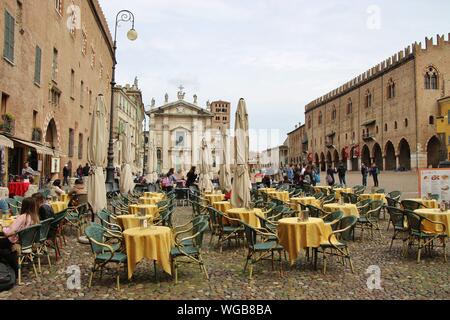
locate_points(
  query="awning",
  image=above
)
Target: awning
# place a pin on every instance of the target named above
(368, 123)
(39, 148)
(4, 141)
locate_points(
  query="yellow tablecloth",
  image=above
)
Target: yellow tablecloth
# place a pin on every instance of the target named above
(295, 235)
(149, 209)
(435, 215)
(373, 196)
(347, 209)
(267, 189)
(323, 189)
(280, 195)
(430, 204)
(59, 206)
(248, 216)
(154, 195)
(153, 243)
(222, 206)
(305, 201)
(64, 198)
(211, 198)
(339, 190)
(130, 221)
(152, 200)
(7, 222)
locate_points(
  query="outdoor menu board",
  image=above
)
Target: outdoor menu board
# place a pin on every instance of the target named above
(435, 182)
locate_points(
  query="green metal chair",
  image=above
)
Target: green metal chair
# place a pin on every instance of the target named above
(13, 206)
(103, 253)
(77, 217)
(55, 234)
(435, 197)
(41, 243)
(333, 219)
(425, 239)
(329, 199)
(379, 190)
(27, 239)
(412, 205)
(336, 244)
(189, 247)
(106, 221)
(265, 248)
(19, 200)
(315, 212)
(319, 195)
(227, 232)
(370, 219)
(397, 219)
(359, 189)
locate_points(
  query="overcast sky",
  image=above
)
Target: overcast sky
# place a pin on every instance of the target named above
(277, 54)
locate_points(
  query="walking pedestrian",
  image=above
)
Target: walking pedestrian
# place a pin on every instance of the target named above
(342, 170)
(364, 173)
(66, 174)
(374, 172)
(330, 175)
(80, 172)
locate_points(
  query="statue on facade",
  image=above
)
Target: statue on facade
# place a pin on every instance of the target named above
(153, 103)
(181, 93)
(195, 99)
(166, 98)
(136, 82)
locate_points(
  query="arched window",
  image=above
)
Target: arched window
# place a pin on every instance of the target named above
(406, 123)
(333, 113)
(320, 117)
(309, 122)
(431, 120)
(376, 129)
(385, 127)
(349, 106)
(431, 79)
(346, 136)
(395, 125)
(391, 89)
(368, 99)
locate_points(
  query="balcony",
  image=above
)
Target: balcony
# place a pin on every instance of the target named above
(36, 135)
(7, 125)
(368, 136)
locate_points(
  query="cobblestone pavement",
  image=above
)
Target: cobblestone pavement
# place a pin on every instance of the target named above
(401, 278)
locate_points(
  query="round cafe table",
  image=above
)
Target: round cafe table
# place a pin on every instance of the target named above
(59, 206)
(153, 195)
(211, 198)
(280, 195)
(373, 196)
(153, 243)
(348, 209)
(152, 200)
(430, 204)
(148, 209)
(130, 221)
(249, 216)
(267, 189)
(18, 188)
(295, 235)
(305, 201)
(64, 197)
(222, 206)
(435, 215)
(339, 190)
(7, 222)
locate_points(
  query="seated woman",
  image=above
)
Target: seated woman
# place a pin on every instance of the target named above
(45, 210)
(77, 190)
(28, 217)
(56, 190)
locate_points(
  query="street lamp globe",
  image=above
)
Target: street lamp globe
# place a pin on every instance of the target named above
(132, 34)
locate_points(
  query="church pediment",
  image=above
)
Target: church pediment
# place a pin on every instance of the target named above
(181, 108)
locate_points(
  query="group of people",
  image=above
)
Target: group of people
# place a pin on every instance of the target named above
(169, 181)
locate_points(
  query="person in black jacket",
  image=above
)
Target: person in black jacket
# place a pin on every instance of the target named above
(341, 173)
(191, 177)
(45, 210)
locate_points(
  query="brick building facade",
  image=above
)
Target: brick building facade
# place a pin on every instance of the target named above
(386, 115)
(56, 58)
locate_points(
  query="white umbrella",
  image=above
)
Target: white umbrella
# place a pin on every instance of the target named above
(240, 195)
(225, 171)
(204, 182)
(97, 157)
(126, 176)
(152, 175)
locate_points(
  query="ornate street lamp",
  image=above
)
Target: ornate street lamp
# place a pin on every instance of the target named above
(122, 16)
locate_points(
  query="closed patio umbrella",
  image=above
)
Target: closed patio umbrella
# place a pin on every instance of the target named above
(152, 175)
(204, 182)
(97, 157)
(240, 194)
(225, 171)
(126, 176)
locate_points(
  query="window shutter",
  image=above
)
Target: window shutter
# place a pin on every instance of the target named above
(37, 70)
(8, 50)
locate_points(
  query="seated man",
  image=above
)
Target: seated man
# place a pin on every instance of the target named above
(77, 190)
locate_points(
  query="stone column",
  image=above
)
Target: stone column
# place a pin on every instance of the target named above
(166, 145)
(397, 161)
(359, 163)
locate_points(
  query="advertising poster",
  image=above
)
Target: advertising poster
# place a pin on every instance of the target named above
(434, 182)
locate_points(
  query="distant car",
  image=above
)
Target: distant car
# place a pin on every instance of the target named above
(444, 164)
